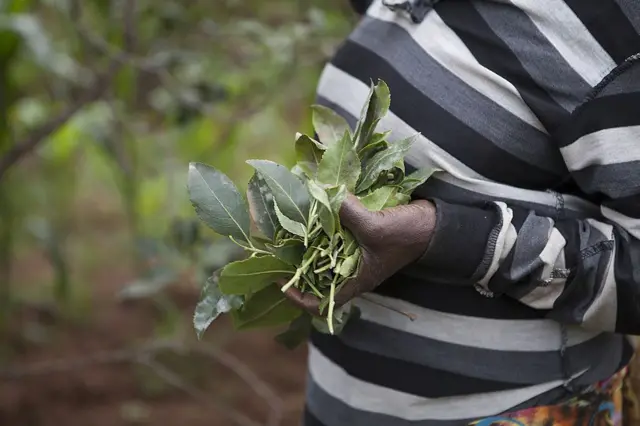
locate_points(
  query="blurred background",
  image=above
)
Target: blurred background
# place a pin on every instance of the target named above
(102, 105)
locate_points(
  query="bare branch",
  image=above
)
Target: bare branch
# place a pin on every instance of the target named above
(175, 380)
(24, 147)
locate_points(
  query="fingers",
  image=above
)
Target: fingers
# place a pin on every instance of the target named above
(306, 301)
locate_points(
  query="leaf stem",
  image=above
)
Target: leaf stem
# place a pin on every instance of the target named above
(332, 304)
(250, 248)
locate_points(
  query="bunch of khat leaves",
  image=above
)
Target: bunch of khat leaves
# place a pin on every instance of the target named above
(289, 223)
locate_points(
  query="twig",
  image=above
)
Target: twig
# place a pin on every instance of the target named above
(175, 380)
(245, 373)
(144, 355)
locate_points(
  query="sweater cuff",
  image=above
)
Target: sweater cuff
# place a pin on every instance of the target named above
(460, 249)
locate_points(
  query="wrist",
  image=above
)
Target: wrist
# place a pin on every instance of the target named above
(425, 221)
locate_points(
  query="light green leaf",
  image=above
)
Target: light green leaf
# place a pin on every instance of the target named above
(261, 207)
(329, 126)
(266, 308)
(298, 171)
(341, 317)
(337, 195)
(297, 332)
(288, 190)
(379, 198)
(253, 274)
(350, 243)
(289, 251)
(217, 202)
(376, 107)
(400, 199)
(308, 154)
(415, 179)
(292, 226)
(383, 161)
(349, 265)
(325, 213)
(375, 146)
(340, 165)
(212, 304)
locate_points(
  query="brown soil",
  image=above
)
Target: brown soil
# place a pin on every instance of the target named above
(125, 393)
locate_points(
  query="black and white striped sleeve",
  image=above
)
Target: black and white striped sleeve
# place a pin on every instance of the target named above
(577, 271)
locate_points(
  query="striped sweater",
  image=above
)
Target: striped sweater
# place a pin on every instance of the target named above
(531, 109)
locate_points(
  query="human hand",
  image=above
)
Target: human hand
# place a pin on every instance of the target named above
(389, 240)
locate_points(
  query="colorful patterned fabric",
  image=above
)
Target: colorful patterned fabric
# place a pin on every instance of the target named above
(600, 405)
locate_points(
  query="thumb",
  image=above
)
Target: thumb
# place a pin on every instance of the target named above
(355, 216)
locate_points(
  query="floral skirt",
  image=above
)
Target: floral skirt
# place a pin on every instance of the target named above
(599, 405)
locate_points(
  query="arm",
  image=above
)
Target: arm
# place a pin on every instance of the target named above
(584, 272)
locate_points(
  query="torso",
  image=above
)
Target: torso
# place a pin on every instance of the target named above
(487, 84)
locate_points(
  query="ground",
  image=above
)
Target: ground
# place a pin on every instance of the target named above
(124, 393)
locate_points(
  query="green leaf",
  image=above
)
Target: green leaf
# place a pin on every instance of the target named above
(379, 198)
(415, 179)
(325, 214)
(288, 190)
(289, 251)
(349, 265)
(297, 332)
(266, 308)
(308, 154)
(401, 199)
(261, 206)
(350, 243)
(336, 196)
(383, 161)
(341, 317)
(372, 148)
(292, 226)
(329, 126)
(340, 165)
(217, 202)
(376, 107)
(298, 171)
(253, 274)
(212, 304)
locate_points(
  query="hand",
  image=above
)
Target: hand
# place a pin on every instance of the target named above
(389, 240)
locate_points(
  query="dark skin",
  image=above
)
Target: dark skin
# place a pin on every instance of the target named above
(390, 240)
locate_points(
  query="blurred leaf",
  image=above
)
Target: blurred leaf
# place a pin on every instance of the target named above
(147, 287)
(297, 332)
(308, 154)
(212, 304)
(329, 126)
(39, 45)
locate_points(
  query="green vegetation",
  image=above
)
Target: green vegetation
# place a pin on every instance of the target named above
(103, 105)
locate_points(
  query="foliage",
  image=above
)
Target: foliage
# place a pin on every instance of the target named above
(297, 240)
(102, 104)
